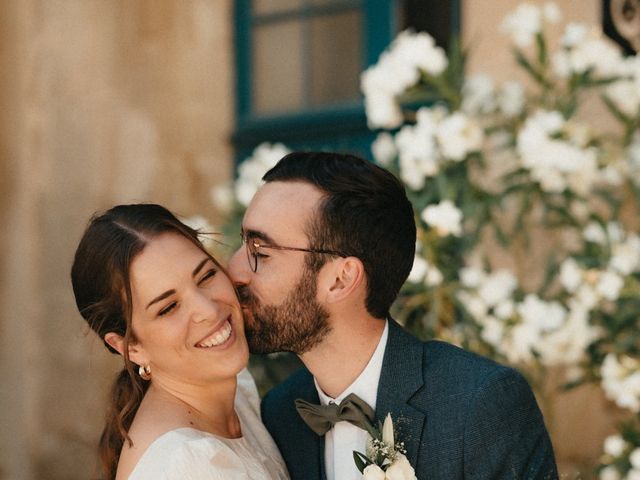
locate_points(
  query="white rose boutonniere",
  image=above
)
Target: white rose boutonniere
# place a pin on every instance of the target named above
(385, 459)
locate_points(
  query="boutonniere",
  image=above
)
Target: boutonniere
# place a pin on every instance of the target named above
(385, 458)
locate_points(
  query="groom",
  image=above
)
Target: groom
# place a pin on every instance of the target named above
(329, 241)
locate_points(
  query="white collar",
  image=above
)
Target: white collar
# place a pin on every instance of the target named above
(366, 385)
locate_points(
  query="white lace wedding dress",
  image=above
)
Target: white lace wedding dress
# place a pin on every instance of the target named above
(189, 454)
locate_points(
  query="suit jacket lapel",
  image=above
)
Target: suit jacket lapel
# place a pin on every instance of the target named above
(311, 444)
(400, 379)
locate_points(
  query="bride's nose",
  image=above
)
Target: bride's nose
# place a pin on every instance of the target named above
(205, 307)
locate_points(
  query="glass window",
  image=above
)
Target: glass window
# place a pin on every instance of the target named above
(277, 83)
(299, 64)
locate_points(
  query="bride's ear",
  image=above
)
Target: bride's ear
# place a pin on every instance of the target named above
(136, 355)
(115, 341)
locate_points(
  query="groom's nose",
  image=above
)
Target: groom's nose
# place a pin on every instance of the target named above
(239, 267)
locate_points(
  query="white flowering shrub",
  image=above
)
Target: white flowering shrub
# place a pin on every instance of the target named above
(494, 170)
(521, 164)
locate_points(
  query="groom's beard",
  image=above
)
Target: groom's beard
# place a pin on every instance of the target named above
(297, 325)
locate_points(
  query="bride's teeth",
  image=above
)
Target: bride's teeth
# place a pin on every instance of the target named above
(219, 338)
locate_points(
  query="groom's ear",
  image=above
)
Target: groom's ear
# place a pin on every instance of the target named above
(346, 277)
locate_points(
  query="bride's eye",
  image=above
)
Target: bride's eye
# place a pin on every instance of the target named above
(208, 274)
(167, 309)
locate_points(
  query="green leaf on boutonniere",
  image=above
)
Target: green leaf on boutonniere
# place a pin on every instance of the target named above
(361, 460)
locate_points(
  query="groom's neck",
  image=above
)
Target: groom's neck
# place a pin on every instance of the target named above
(338, 361)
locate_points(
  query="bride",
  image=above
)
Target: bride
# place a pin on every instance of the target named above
(184, 406)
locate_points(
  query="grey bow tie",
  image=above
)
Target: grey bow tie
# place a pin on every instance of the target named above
(322, 418)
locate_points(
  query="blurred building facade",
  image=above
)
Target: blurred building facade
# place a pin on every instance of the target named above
(106, 102)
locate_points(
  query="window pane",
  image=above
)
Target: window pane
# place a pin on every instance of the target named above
(336, 57)
(261, 7)
(277, 67)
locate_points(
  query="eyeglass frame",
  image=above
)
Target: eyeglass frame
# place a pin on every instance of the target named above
(254, 254)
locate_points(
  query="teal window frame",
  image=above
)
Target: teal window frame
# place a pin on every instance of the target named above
(338, 127)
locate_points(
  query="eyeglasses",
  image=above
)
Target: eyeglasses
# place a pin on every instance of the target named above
(253, 253)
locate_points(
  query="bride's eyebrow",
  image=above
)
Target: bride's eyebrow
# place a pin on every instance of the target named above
(164, 295)
(160, 297)
(199, 267)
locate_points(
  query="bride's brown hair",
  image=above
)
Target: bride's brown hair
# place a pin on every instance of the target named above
(102, 289)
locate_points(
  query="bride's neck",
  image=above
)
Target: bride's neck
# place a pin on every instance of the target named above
(205, 407)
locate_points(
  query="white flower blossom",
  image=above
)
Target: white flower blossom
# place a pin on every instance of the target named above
(633, 474)
(561, 64)
(458, 135)
(383, 111)
(610, 473)
(400, 469)
(384, 148)
(423, 271)
(419, 50)
(419, 270)
(574, 34)
(492, 331)
(222, 197)
(387, 430)
(434, 276)
(444, 217)
(597, 54)
(504, 309)
(625, 257)
(471, 276)
(625, 95)
(497, 287)
(373, 472)
(544, 315)
(251, 171)
(570, 275)
(634, 458)
(586, 296)
(594, 233)
(418, 155)
(478, 95)
(523, 24)
(615, 232)
(398, 68)
(554, 162)
(519, 347)
(474, 305)
(511, 99)
(614, 445)
(621, 381)
(609, 285)
(551, 12)
(567, 345)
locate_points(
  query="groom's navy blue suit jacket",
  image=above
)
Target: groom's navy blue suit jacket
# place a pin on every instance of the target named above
(460, 415)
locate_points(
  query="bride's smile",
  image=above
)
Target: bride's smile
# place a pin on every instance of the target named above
(219, 337)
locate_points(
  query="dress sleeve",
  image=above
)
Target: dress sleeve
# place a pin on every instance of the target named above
(204, 460)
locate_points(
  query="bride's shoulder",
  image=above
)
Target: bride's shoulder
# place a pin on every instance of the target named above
(157, 425)
(183, 453)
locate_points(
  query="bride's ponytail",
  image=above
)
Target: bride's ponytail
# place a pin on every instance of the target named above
(102, 289)
(125, 398)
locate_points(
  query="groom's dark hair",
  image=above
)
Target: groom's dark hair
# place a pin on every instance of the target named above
(365, 214)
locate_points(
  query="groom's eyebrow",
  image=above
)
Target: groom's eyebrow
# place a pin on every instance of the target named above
(257, 234)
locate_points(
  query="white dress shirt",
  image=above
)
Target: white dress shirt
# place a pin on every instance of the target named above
(344, 438)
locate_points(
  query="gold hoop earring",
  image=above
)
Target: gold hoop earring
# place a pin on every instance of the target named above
(144, 372)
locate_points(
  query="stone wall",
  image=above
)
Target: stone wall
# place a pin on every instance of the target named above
(103, 102)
